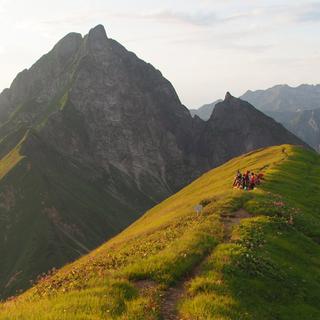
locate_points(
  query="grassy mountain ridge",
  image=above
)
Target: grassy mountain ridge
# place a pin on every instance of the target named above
(268, 269)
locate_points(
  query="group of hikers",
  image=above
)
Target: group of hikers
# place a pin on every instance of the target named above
(247, 180)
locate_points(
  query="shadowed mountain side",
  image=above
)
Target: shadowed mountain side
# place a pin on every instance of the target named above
(54, 209)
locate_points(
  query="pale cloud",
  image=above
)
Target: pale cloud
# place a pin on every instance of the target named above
(233, 41)
(290, 13)
(198, 19)
(286, 13)
(299, 61)
(195, 19)
(310, 13)
(72, 20)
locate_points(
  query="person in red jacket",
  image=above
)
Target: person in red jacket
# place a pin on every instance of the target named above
(259, 177)
(246, 180)
(252, 181)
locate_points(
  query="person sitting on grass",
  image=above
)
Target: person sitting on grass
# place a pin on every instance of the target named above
(252, 183)
(247, 181)
(259, 178)
(237, 180)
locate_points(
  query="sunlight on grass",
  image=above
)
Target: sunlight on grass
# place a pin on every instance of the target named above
(253, 277)
(272, 271)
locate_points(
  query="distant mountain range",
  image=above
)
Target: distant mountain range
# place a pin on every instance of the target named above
(297, 108)
(90, 137)
(285, 98)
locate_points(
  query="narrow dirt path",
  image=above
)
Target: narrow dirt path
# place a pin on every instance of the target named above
(172, 296)
(170, 300)
(232, 219)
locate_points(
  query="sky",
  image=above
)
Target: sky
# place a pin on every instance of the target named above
(204, 47)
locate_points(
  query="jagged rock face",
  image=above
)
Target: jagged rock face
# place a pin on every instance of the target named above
(103, 136)
(140, 126)
(33, 91)
(111, 109)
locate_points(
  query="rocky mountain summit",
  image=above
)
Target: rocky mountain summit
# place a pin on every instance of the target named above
(90, 137)
(235, 127)
(296, 108)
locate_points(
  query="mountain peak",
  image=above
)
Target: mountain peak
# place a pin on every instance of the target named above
(229, 97)
(68, 45)
(98, 33)
(96, 39)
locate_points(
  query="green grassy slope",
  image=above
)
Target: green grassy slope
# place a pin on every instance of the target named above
(269, 267)
(53, 210)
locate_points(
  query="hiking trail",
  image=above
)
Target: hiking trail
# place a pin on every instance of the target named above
(173, 295)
